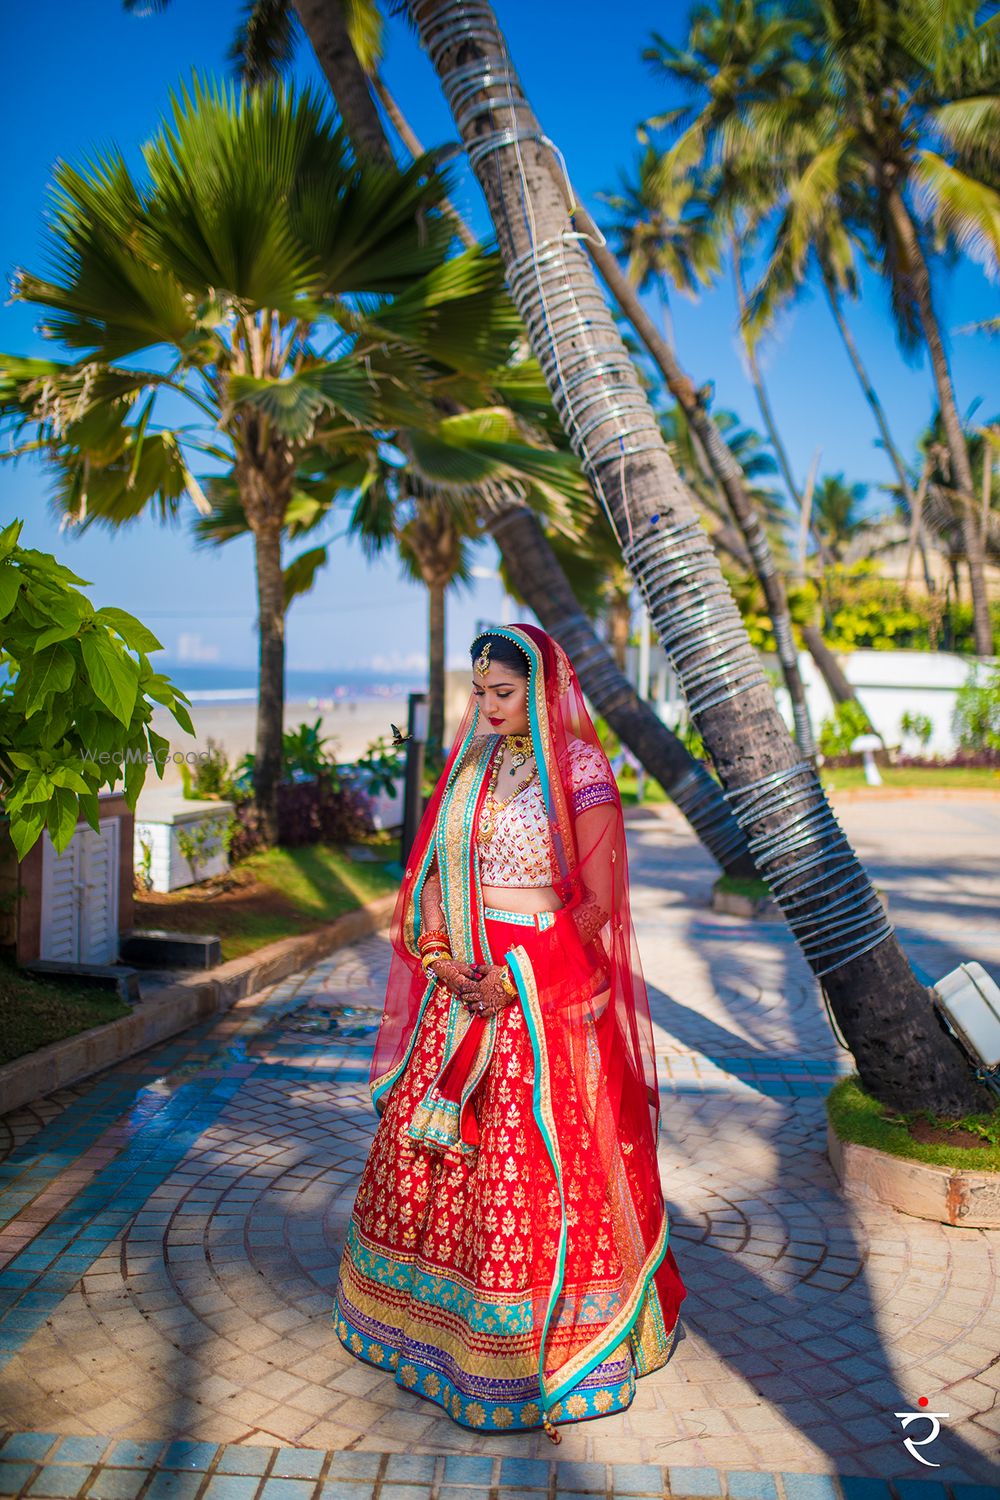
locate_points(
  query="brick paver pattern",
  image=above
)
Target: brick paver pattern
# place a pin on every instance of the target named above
(170, 1233)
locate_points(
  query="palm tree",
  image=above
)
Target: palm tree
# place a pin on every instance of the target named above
(867, 121)
(293, 337)
(664, 230)
(936, 513)
(599, 397)
(264, 45)
(838, 516)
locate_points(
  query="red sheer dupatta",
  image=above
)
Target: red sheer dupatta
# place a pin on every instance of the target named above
(595, 1099)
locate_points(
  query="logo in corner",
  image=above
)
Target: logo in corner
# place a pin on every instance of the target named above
(911, 1444)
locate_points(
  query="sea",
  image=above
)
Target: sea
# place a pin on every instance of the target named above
(323, 689)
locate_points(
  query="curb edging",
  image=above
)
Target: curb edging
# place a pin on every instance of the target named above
(949, 1195)
(168, 1006)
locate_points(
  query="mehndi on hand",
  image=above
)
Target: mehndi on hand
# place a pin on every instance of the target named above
(458, 977)
(494, 992)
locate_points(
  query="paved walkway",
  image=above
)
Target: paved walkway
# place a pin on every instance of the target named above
(170, 1233)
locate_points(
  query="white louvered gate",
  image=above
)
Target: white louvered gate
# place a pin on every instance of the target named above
(80, 896)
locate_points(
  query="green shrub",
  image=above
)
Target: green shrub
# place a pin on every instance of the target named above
(847, 721)
(381, 766)
(77, 701)
(859, 607)
(213, 776)
(303, 758)
(919, 725)
(976, 717)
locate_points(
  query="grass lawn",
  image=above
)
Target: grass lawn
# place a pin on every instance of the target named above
(845, 777)
(274, 894)
(34, 1012)
(744, 885)
(987, 777)
(917, 1135)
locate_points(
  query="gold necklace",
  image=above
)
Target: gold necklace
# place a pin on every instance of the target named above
(491, 806)
(520, 747)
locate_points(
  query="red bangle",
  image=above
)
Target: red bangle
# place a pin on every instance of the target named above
(431, 939)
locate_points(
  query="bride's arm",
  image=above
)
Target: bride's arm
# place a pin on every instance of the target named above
(600, 881)
(432, 902)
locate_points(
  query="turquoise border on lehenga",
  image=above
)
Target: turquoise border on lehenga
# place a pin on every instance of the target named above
(516, 959)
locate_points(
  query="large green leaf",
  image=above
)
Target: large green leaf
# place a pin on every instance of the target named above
(132, 631)
(61, 817)
(113, 674)
(49, 672)
(224, 169)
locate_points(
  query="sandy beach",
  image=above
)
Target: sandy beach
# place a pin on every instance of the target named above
(351, 724)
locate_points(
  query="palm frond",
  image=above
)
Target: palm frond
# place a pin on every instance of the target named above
(970, 126)
(264, 45)
(299, 576)
(366, 31)
(962, 208)
(459, 313)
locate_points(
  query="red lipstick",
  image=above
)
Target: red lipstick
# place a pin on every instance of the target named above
(496, 721)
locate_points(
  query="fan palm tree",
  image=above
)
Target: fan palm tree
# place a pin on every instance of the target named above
(796, 111)
(291, 338)
(872, 989)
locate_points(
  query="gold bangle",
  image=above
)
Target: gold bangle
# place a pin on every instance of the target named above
(507, 984)
(433, 958)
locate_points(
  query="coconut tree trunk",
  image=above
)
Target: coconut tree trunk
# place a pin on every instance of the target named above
(436, 660)
(958, 450)
(271, 674)
(325, 24)
(728, 474)
(536, 574)
(870, 394)
(530, 559)
(905, 1055)
(619, 628)
(830, 670)
(914, 499)
(757, 381)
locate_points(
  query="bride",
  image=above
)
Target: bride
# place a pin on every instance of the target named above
(507, 1255)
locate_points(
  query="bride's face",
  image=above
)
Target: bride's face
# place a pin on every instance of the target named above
(502, 697)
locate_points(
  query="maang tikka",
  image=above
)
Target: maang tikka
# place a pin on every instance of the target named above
(483, 659)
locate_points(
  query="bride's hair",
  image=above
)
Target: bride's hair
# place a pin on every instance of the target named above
(502, 649)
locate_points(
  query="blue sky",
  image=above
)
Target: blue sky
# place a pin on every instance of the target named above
(88, 76)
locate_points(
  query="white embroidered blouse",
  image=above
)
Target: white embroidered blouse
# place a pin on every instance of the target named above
(520, 851)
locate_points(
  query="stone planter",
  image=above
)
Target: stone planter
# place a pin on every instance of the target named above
(166, 823)
(949, 1195)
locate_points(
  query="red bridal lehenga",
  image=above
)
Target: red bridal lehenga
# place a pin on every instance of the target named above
(507, 1255)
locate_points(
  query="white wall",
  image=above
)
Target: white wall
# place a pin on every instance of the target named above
(888, 683)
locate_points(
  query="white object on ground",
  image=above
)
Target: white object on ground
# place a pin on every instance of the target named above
(971, 1001)
(867, 744)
